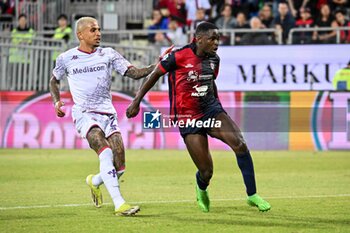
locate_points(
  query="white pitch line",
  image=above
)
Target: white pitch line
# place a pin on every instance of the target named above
(171, 201)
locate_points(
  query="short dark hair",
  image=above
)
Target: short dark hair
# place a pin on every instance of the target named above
(22, 15)
(62, 16)
(341, 11)
(204, 27)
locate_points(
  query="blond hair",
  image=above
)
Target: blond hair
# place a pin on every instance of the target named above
(82, 23)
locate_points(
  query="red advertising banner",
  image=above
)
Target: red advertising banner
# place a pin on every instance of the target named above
(269, 121)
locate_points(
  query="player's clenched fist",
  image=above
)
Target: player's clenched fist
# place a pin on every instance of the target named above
(133, 110)
(58, 110)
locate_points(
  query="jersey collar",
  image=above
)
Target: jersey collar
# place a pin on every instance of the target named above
(86, 52)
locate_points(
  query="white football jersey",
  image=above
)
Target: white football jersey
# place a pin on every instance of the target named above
(90, 77)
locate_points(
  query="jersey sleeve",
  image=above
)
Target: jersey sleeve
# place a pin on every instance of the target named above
(60, 70)
(168, 63)
(119, 63)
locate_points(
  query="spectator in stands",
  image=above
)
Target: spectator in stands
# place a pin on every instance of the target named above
(343, 22)
(158, 23)
(325, 20)
(248, 7)
(240, 24)
(226, 21)
(339, 4)
(176, 9)
(63, 31)
(21, 35)
(3, 7)
(8, 7)
(216, 8)
(275, 4)
(265, 16)
(19, 57)
(161, 39)
(6, 19)
(284, 21)
(255, 38)
(296, 5)
(305, 21)
(192, 6)
(200, 17)
(341, 79)
(176, 34)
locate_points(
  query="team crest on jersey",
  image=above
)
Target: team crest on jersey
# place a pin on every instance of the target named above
(192, 76)
(212, 66)
(100, 53)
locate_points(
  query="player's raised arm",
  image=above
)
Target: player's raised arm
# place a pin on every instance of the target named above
(55, 94)
(134, 107)
(138, 73)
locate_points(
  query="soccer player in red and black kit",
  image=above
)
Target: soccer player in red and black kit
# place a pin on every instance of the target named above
(193, 95)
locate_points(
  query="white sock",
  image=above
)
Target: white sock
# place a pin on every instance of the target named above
(97, 180)
(109, 176)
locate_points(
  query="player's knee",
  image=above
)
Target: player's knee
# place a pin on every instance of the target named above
(96, 139)
(242, 147)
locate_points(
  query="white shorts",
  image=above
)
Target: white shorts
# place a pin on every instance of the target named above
(84, 121)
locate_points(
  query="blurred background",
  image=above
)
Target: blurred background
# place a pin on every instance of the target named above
(284, 74)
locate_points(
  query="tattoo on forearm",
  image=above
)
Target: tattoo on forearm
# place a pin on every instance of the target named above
(54, 90)
(136, 73)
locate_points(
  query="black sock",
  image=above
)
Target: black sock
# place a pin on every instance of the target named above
(201, 184)
(245, 163)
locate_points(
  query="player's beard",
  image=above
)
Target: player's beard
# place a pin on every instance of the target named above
(97, 44)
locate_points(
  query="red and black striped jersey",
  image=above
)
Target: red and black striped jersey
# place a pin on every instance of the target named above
(191, 82)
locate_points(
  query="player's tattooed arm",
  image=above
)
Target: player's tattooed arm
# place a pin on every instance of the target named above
(151, 80)
(55, 94)
(136, 73)
(54, 89)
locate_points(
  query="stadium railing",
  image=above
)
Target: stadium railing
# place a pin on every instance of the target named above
(318, 29)
(43, 13)
(27, 66)
(132, 37)
(233, 33)
(31, 71)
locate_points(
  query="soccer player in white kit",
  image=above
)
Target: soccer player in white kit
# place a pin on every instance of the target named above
(89, 72)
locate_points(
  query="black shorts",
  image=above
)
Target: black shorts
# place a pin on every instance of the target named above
(212, 113)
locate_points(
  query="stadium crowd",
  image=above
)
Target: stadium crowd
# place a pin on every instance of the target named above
(179, 17)
(182, 15)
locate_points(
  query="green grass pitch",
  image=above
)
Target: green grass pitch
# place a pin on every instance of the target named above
(45, 191)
